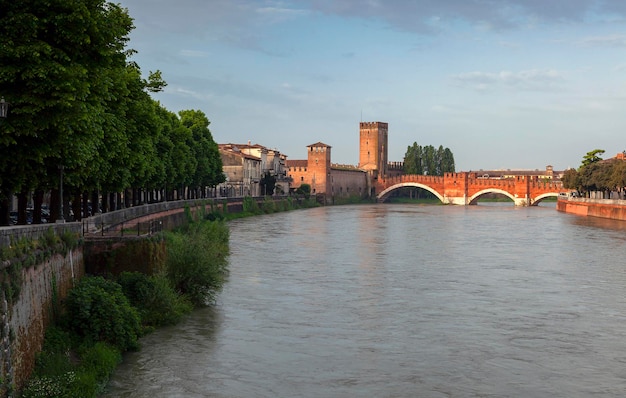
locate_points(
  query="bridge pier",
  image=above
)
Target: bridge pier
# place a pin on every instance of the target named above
(455, 200)
(521, 202)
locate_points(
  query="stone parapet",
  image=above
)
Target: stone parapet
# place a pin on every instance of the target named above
(17, 232)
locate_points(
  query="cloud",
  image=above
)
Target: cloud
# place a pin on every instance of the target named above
(194, 53)
(242, 22)
(605, 41)
(531, 80)
(429, 16)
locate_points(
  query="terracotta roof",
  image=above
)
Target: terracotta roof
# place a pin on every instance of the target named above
(319, 144)
(296, 163)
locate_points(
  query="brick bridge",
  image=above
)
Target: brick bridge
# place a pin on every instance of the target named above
(466, 188)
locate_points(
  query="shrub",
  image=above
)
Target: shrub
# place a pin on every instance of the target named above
(155, 299)
(100, 360)
(196, 260)
(250, 205)
(99, 311)
(268, 205)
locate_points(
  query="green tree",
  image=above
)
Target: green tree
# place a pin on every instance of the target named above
(59, 59)
(429, 160)
(209, 163)
(447, 162)
(592, 157)
(618, 176)
(571, 179)
(268, 183)
(304, 189)
(413, 159)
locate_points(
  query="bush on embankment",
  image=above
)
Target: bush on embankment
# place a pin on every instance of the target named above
(197, 260)
(252, 207)
(102, 318)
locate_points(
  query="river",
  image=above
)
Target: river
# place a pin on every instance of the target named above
(402, 301)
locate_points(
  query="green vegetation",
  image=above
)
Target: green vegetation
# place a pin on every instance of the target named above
(420, 201)
(304, 189)
(427, 160)
(595, 174)
(102, 318)
(268, 205)
(65, 370)
(79, 102)
(352, 199)
(157, 303)
(99, 311)
(268, 184)
(197, 259)
(27, 252)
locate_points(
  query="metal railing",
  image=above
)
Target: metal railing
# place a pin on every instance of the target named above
(125, 228)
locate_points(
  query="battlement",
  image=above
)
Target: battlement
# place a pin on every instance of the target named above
(373, 125)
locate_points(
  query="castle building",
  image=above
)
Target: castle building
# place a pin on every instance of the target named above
(340, 181)
(373, 137)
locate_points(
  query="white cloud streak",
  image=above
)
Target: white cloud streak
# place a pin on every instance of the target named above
(531, 80)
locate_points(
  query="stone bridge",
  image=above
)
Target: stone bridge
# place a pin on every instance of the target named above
(465, 188)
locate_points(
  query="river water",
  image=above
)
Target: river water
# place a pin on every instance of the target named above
(403, 301)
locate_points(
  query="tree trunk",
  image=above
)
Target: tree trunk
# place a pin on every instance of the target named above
(22, 201)
(76, 207)
(5, 210)
(37, 203)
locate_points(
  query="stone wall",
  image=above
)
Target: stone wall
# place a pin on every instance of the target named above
(29, 316)
(346, 183)
(16, 232)
(603, 208)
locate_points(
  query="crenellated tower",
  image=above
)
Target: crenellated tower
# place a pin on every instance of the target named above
(319, 167)
(373, 148)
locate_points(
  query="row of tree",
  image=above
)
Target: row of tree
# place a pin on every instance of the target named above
(597, 175)
(426, 160)
(80, 111)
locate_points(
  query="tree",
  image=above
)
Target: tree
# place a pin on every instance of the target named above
(59, 59)
(571, 179)
(592, 157)
(304, 189)
(413, 159)
(428, 160)
(268, 183)
(447, 162)
(209, 167)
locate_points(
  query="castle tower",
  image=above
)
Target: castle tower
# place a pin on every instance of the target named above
(373, 148)
(319, 167)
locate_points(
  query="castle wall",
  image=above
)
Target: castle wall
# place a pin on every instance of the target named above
(346, 183)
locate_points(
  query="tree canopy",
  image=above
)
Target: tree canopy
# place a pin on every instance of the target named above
(78, 102)
(596, 174)
(428, 161)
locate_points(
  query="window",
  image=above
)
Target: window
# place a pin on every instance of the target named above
(302, 178)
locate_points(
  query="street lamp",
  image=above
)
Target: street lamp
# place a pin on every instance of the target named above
(4, 108)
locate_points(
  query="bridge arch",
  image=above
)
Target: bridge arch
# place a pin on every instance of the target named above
(385, 194)
(543, 196)
(474, 198)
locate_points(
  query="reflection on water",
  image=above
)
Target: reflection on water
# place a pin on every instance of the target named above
(403, 301)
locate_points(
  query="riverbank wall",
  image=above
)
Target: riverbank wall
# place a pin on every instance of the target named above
(613, 209)
(33, 291)
(41, 288)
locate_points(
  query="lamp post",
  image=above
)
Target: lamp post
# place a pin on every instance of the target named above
(61, 218)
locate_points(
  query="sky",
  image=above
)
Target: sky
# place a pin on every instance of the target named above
(504, 84)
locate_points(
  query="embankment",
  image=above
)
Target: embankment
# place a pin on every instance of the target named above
(604, 208)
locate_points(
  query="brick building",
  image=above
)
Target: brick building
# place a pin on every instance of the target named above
(342, 181)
